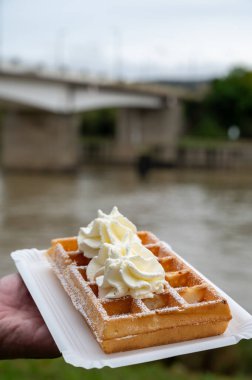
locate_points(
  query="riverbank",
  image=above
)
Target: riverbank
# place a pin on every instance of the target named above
(195, 153)
(188, 153)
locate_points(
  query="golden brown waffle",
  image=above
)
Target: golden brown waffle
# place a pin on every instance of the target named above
(189, 308)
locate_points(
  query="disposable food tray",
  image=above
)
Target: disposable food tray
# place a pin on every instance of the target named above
(76, 341)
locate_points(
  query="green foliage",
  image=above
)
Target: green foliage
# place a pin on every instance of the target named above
(100, 123)
(230, 99)
(233, 362)
(229, 102)
(208, 127)
(58, 369)
(236, 359)
(190, 142)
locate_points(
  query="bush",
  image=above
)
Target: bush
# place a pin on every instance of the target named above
(228, 102)
(209, 128)
(99, 123)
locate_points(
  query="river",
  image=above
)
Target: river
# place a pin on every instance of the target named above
(206, 216)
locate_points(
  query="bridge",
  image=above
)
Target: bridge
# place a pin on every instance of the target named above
(42, 114)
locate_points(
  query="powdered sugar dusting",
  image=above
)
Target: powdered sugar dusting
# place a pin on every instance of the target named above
(122, 317)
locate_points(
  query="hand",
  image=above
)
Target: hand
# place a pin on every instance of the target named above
(23, 333)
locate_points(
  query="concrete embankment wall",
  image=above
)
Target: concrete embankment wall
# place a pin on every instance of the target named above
(227, 156)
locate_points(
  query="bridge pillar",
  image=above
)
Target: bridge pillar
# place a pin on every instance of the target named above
(149, 131)
(34, 140)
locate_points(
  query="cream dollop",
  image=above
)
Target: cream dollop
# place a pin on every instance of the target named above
(106, 228)
(126, 268)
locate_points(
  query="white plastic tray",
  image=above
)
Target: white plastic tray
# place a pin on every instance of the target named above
(74, 338)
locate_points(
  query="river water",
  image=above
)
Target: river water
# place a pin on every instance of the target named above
(205, 216)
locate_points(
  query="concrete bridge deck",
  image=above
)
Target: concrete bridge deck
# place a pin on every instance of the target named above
(74, 93)
(40, 124)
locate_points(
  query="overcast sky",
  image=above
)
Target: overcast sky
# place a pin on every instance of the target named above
(132, 39)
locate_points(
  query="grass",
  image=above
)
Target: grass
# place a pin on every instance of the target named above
(58, 369)
(233, 362)
(207, 143)
(210, 143)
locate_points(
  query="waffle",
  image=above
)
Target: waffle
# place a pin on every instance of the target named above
(189, 308)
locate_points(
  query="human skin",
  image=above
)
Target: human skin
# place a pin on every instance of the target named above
(23, 333)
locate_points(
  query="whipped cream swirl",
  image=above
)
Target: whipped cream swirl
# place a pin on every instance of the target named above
(126, 268)
(111, 229)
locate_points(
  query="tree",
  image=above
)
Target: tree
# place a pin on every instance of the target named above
(228, 102)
